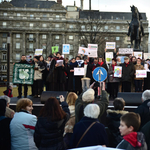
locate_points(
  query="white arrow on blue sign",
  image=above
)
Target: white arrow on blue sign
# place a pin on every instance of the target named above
(103, 74)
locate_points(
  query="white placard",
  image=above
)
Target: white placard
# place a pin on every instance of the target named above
(137, 54)
(92, 50)
(108, 57)
(146, 56)
(60, 62)
(78, 71)
(38, 52)
(146, 66)
(66, 48)
(80, 62)
(83, 50)
(125, 50)
(141, 74)
(110, 45)
(118, 71)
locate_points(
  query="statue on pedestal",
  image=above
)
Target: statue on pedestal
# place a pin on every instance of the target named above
(136, 30)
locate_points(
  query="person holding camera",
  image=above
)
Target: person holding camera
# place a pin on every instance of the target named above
(50, 125)
(88, 97)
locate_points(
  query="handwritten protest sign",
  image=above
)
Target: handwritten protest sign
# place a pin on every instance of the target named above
(110, 45)
(92, 50)
(66, 48)
(83, 50)
(38, 52)
(137, 54)
(118, 71)
(141, 74)
(109, 56)
(125, 50)
(55, 49)
(146, 56)
(78, 71)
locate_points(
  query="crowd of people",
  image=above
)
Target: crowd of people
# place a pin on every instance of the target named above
(75, 123)
(48, 73)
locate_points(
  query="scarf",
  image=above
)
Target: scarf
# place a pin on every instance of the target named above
(101, 63)
(74, 64)
(127, 64)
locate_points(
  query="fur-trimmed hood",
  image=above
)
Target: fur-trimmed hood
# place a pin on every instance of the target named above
(72, 110)
(122, 112)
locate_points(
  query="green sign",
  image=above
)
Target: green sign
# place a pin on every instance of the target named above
(54, 49)
(23, 74)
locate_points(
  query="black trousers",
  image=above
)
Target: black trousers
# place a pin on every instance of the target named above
(20, 89)
(138, 85)
(113, 89)
(38, 87)
(59, 86)
(126, 86)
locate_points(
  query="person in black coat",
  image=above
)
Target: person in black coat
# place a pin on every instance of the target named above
(50, 125)
(23, 61)
(96, 134)
(127, 75)
(5, 139)
(143, 109)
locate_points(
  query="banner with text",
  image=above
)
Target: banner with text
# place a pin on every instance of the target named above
(109, 56)
(23, 74)
(137, 54)
(83, 50)
(110, 45)
(38, 52)
(141, 74)
(92, 50)
(125, 50)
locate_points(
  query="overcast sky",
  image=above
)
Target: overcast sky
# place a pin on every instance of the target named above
(114, 5)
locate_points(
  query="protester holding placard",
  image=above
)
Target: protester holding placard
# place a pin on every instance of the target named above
(102, 63)
(138, 81)
(23, 61)
(127, 75)
(113, 81)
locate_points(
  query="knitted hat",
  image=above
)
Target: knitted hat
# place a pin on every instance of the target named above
(88, 96)
(37, 57)
(2, 107)
(126, 58)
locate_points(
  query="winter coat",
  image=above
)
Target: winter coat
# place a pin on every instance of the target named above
(133, 141)
(127, 72)
(146, 130)
(144, 112)
(71, 122)
(80, 105)
(111, 75)
(5, 140)
(24, 62)
(95, 136)
(44, 71)
(22, 129)
(113, 122)
(8, 93)
(138, 67)
(49, 134)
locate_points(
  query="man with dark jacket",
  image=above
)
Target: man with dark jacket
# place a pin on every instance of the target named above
(86, 98)
(23, 61)
(143, 109)
(127, 74)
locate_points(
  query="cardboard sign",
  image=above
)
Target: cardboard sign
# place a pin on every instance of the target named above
(55, 49)
(83, 50)
(78, 71)
(66, 48)
(109, 56)
(38, 52)
(92, 50)
(137, 54)
(125, 50)
(118, 71)
(146, 56)
(110, 45)
(141, 74)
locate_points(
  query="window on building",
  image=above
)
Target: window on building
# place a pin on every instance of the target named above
(17, 56)
(57, 17)
(57, 37)
(4, 45)
(117, 27)
(17, 24)
(106, 27)
(117, 38)
(106, 38)
(71, 47)
(118, 46)
(83, 27)
(31, 24)
(4, 35)
(4, 24)
(18, 36)
(70, 37)
(4, 56)
(71, 26)
(17, 45)
(3, 67)
(30, 45)
(44, 15)
(44, 36)
(44, 25)
(18, 15)
(56, 25)
(5, 14)
(94, 28)
(31, 36)
(31, 16)
(44, 46)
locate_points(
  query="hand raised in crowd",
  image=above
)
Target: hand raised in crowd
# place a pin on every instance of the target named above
(103, 86)
(115, 50)
(71, 70)
(62, 99)
(105, 49)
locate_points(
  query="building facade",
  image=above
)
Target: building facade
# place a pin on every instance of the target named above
(42, 24)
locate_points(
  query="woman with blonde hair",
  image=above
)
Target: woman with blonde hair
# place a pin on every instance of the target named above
(22, 126)
(71, 99)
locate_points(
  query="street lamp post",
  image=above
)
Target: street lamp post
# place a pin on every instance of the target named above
(8, 59)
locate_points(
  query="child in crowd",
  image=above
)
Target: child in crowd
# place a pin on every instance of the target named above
(132, 140)
(9, 91)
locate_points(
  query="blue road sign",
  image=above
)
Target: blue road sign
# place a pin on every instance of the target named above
(99, 74)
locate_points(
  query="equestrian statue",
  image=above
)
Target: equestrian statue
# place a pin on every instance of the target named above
(136, 30)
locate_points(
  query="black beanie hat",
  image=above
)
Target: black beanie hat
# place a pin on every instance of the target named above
(2, 107)
(37, 57)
